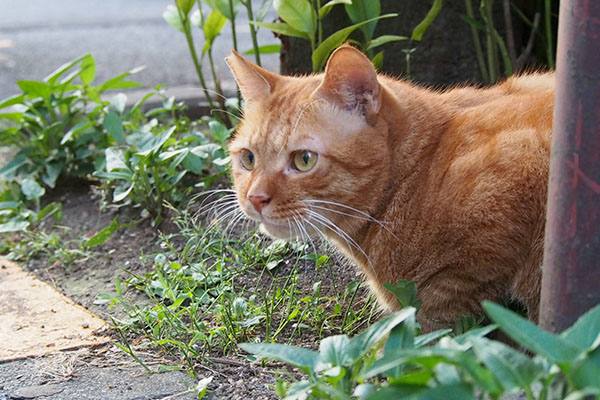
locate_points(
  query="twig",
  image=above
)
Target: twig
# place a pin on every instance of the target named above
(527, 52)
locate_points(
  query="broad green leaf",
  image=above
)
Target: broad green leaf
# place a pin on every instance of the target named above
(88, 69)
(429, 357)
(583, 394)
(126, 175)
(266, 49)
(212, 27)
(75, 130)
(121, 193)
(322, 52)
(324, 10)
(363, 10)
(156, 142)
(512, 368)
(206, 150)
(185, 5)
(118, 102)
(219, 131)
(171, 16)
(383, 39)
(52, 209)
(13, 164)
(432, 14)
(367, 339)
(12, 100)
(114, 126)
(223, 7)
(304, 359)
(282, 29)
(333, 350)
(53, 77)
(405, 291)
(377, 60)
(35, 88)
(31, 189)
(13, 226)
(9, 205)
(465, 338)
(263, 10)
(115, 159)
(14, 116)
(585, 332)
(53, 171)
(104, 234)
(197, 19)
(460, 391)
(298, 13)
(424, 339)
(193, 163)
(118, 83)
(585, 373)
(532, 337)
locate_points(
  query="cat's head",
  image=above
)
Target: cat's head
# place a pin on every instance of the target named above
(308, 143)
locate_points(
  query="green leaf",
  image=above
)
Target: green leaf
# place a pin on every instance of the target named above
(14, 116)
(528, 335)
(298, 13)
(585, 332)
(118, 83)
(377, 60)
(424, 339)
(429, 357)
(115, 159)
(77, 128)
(13, 164)
(474, 22)
(156, 142)
(212, 27)
(363, 10)
(383, 39)
(121, 193)
(114, 126)
(322, 52)
(185, 5)
(12, 100)
(53, 77)
(266, 49)
(325, 8)
(405, 291)
(459, 391)
(223, 7)
(367, 339)
(52, 209)
(35, 88)
(53, 171)
(432, 14)
(119, 101)
(334, 350)
(512, 368)
(13, 226)
(585, 373)
(282, 29)
(193, 163)
(306, 360)
(171, 16)
(104, 234)
(31, 189)
(88, 69)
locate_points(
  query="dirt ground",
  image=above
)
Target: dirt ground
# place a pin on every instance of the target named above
(106, 372)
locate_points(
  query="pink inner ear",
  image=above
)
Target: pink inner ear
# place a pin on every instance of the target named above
(351, 79)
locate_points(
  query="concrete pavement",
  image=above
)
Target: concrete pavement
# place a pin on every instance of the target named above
(36, 36)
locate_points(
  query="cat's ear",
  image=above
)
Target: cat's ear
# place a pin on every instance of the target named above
(351, 81)
(254, 82)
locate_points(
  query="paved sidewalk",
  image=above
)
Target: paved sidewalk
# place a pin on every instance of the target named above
(36, 36)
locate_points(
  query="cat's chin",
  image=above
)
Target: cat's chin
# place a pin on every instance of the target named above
(277, 231)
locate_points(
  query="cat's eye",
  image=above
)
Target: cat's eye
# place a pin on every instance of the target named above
(247, 159)
(304, 160)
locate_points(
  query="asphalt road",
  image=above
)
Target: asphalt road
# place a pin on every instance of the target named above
(36, 36)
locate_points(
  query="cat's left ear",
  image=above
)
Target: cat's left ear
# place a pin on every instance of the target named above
(254, 82)
(351, 81)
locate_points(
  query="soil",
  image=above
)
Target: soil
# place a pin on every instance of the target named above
(106, 372)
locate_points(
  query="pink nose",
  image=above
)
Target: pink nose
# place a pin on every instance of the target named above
(259, 201)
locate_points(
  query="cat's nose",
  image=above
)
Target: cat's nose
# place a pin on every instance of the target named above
(259, 201)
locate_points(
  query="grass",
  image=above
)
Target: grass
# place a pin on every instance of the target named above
(211, 290)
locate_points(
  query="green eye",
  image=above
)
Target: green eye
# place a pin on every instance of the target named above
(305, 160)
(247, 159)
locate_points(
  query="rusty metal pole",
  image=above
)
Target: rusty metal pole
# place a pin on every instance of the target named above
(571, 269)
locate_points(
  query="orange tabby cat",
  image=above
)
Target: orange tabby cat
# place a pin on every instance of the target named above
(444, 188)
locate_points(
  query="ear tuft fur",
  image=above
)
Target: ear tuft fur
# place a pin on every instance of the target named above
(254, 82)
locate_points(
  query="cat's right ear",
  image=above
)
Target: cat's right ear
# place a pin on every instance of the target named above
(254, 82)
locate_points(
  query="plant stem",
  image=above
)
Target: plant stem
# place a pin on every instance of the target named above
(235, 47)
(190, 42)
(486, 14)
(220, 96)
(548, 23)
(253, 32)
(232, 20)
